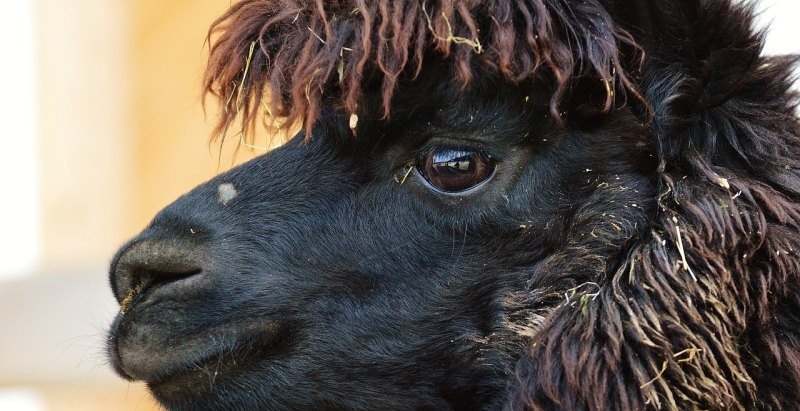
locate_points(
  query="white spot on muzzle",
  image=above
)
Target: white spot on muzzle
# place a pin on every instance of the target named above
(226, 192)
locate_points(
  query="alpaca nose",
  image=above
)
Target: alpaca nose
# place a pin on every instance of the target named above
(145, 264)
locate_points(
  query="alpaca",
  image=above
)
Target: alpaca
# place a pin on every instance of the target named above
(567, 204)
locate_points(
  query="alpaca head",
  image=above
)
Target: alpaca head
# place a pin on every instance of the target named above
(520, 204)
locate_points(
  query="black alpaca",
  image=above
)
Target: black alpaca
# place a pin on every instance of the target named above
(567, 204)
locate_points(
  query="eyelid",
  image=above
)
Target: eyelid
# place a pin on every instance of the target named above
(438, 144)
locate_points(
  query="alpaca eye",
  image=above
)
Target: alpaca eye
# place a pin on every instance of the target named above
(453, 171)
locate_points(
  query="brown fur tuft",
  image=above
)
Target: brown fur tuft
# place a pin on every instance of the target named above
(305, 51)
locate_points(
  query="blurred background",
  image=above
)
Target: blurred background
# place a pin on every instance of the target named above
(102, 127)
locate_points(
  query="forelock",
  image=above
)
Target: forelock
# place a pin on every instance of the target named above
(281, 60)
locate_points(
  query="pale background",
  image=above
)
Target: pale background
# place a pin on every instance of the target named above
(102, 127)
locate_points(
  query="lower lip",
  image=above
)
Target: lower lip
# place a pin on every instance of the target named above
(249, 341)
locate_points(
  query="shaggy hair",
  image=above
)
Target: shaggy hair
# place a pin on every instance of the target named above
(686, 298)
(297, 54)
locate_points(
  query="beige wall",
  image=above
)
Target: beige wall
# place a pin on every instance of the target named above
(122, 128)
(121, 134)
(85, 130)
(172, 152)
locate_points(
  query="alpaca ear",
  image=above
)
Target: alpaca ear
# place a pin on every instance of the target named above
(712, 93)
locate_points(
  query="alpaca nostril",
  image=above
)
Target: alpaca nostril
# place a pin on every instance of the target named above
(150, 262)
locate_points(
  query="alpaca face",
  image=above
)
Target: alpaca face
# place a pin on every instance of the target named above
(406, 266)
